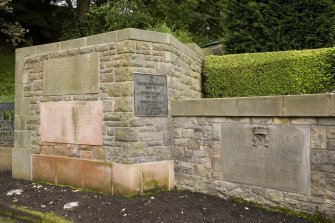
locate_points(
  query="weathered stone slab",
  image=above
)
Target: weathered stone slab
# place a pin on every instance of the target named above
(5, 158)
(21, 163)
(72, 122)
(271, 156)
(150, 95)
(71, 75)
(44, 168)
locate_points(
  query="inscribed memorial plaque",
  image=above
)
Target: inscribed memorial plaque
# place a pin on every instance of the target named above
(72, 122)
(71, 75)
(150, 95)
(271, 156)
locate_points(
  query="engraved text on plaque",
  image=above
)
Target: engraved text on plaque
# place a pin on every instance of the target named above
(150, 95)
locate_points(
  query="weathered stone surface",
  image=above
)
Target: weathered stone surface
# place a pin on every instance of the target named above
(150, 136)
(331, 144)
(303, 121)
(115, 60)
(307, 105)
(22, 139)
(44, 168)
(124, 104)
(101, 38)
(21, 163)
(98, 176)
(318, 138)
(5, 158)
(126, 47)
(126, 179)
(69, 171)
(331, 183)
(318, 181)
(194, 107)
(260, 106)
(72, 122)
(126, 135)
(331, 132)
(280, 120)
(267, 155)
(156, 176)
(71, 75)
(326, 121)
(73, 43)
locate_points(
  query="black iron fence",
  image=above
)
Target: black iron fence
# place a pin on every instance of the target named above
(6, 124)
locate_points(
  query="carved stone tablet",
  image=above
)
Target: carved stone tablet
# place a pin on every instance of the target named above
(72, 122)
(71, 75)
(150, 95)
(271, 156)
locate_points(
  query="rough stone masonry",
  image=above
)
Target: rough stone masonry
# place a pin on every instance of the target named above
(110, 112)
(76, 99)
(278, 151)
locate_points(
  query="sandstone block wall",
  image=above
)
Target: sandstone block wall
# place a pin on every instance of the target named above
(101, 69)
(204, 156)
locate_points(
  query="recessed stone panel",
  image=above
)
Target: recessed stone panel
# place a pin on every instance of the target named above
(150, 95)
(72, 122)
(271, 156)
(71, 75)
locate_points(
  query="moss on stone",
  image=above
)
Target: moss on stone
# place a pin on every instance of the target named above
(26, 215)
(314, 218)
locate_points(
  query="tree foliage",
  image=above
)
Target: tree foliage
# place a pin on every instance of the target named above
(12, 30)
(43, 19)
(274, 25)
(199, 18)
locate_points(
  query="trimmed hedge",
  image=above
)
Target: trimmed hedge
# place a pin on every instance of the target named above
(273, 73)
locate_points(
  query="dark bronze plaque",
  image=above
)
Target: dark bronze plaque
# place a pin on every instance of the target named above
(150, 95)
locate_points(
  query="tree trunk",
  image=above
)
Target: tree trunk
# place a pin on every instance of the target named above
(82, 8)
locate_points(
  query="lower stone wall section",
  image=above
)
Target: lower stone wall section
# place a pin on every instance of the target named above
(199, 159)
(5, 158)
(114, 178)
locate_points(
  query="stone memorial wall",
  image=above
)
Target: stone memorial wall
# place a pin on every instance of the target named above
(51, 79)
(102, 98)
(113, 112)
(278, 151)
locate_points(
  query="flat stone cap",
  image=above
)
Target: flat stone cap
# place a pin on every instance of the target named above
(314, 105)
(191, 50)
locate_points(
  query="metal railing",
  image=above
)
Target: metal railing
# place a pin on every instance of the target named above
(6, 124)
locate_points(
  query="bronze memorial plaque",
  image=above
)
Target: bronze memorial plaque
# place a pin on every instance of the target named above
(150, 95)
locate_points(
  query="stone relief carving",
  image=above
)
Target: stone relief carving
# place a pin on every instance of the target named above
(260, 138)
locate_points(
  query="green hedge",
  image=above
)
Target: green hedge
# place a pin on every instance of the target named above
(273, 73)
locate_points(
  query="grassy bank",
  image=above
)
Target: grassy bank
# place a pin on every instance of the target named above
(7, 73)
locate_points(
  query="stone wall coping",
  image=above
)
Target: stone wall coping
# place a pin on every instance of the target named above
(312, 105)
(191, 49)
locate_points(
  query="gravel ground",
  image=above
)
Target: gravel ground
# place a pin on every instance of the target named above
(176, 206)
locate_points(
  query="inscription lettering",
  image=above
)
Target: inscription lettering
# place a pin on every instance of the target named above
(71, 75)
(71, 122)
(150, 95)
(271, 156)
